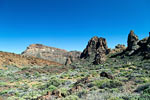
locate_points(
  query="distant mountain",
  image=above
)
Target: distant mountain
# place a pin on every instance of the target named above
(17, 60)
(51, 53)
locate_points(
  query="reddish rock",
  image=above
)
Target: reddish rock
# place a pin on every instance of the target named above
(22, 61)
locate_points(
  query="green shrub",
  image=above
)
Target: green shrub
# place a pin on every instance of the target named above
(72, 97)
(114, 98)
(142, 88)
(3, 84)
(64, 91)
(145, 95)
(52, 88)
(55, 82)
(4, 92)
(106, 83)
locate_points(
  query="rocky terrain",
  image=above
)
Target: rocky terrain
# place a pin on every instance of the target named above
(122, 73)
(11, 59)
(51, 53)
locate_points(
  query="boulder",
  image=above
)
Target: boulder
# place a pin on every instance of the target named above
(104, 74)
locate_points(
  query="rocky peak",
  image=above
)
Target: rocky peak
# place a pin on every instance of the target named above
(132, 41)
(95, 45)
(96, 49)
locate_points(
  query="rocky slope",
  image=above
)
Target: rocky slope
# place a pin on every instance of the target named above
(51, 53)
(7, 59)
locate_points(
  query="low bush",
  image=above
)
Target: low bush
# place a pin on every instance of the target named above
(52, 88)
(106, 83)
(72, 97)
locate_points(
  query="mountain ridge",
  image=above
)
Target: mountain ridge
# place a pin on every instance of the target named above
(50, 53)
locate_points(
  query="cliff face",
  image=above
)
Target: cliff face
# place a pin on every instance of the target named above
(50, 53)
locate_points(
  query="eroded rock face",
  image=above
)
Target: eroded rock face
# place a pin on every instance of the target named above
(99, 58)
(136, 46)
(91, 48)
(132, 41)
(97, 49)
(50, 53)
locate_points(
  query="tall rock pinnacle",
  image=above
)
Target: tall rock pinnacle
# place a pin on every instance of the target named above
(132, 41)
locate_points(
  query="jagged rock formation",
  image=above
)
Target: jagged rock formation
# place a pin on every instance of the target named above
(50, 53)
(7, 59)
(132, 42)
(136, 46)
(96, 49)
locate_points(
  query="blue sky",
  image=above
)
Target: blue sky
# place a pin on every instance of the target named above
(69, 24)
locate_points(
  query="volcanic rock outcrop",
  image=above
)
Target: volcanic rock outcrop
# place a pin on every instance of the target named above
(51, 53)
(136, 46)
(96, 49)
(132, 42)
